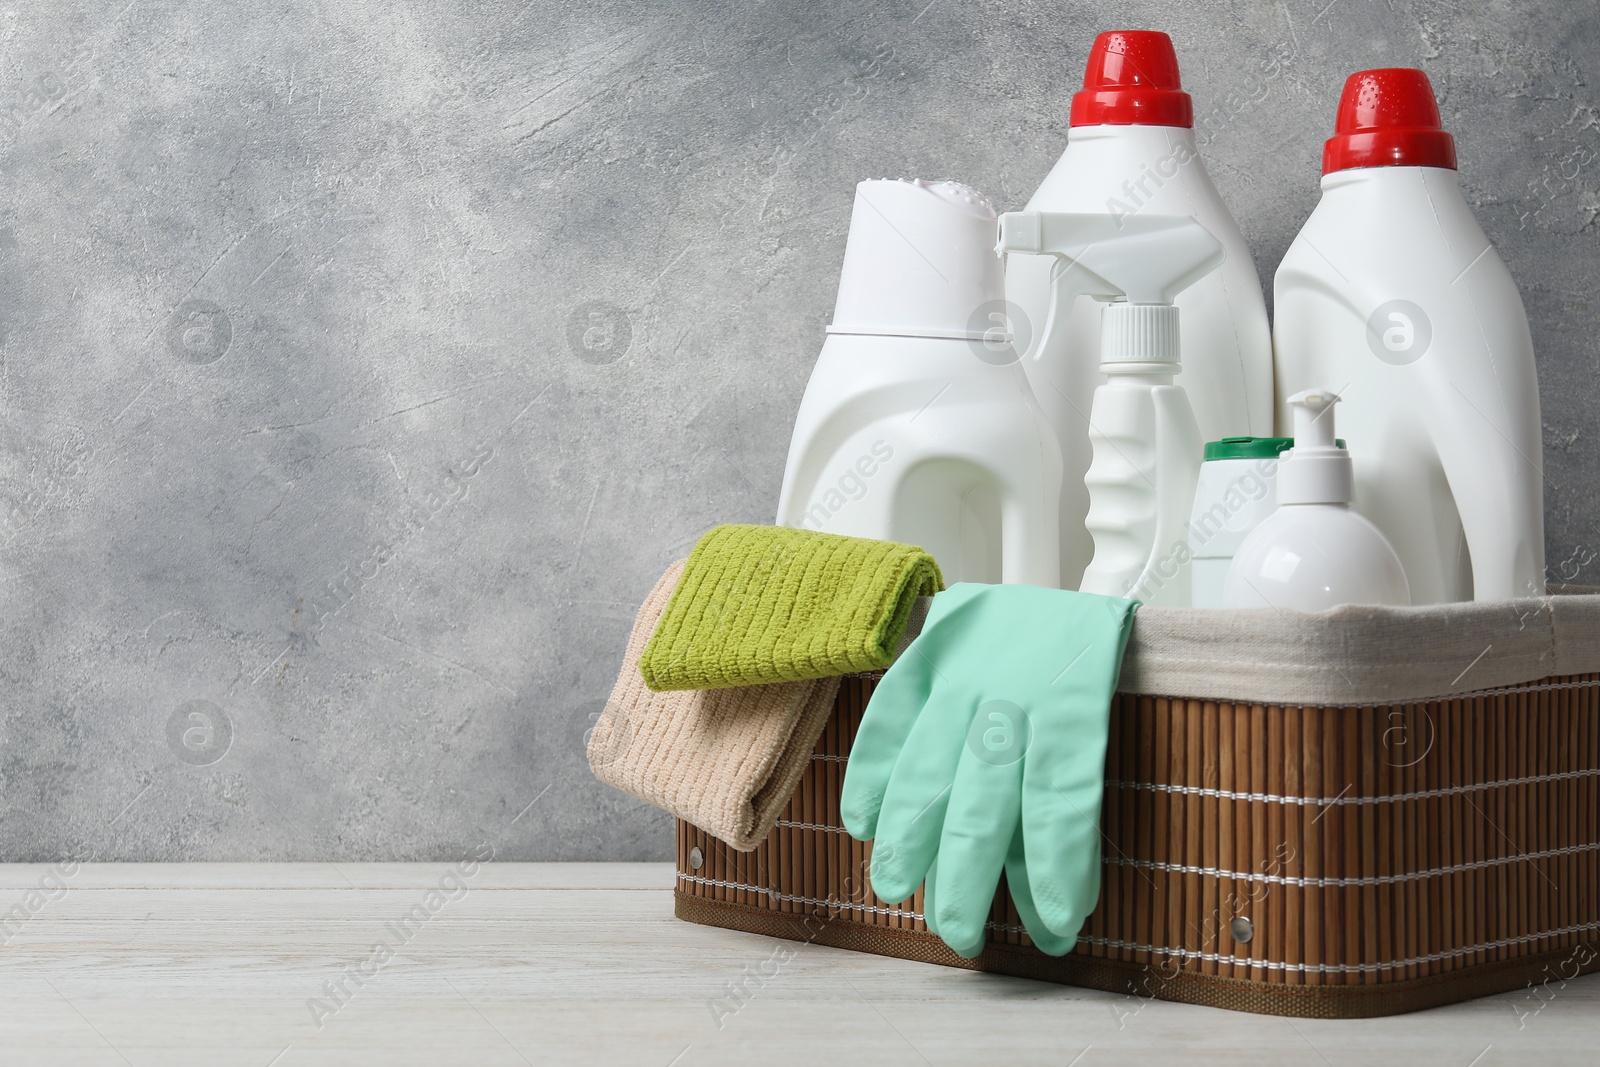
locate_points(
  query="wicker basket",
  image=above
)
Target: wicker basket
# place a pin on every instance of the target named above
(1295, 858)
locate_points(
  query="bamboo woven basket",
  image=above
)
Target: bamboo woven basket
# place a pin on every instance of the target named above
(1308, 859)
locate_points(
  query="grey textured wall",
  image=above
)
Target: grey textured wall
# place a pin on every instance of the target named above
(362, 364)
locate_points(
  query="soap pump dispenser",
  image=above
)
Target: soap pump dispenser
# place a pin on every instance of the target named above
(1316, 551)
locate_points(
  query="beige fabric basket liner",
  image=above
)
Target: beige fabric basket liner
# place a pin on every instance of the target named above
(1357, 655)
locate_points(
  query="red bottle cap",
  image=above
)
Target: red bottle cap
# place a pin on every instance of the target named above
(1132, 80)
(1388, 118)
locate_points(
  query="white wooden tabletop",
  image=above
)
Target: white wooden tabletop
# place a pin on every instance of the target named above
(299, 964)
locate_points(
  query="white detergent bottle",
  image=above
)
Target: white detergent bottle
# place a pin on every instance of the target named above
(918, 424)
(1147, 447)
(1315, 552)
(1130, 150)
(1393, 295)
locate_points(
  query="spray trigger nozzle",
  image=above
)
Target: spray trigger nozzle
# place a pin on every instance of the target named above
(1133, 259)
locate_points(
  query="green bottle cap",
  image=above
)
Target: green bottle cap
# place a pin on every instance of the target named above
(1251, 447)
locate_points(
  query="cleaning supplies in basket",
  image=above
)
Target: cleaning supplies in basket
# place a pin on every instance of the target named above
(726, 760)
(1147, 445)
(1314, 552)
(982, 749)
(1393, 292)
(761, 604)
(918, 424)
(1130, 151)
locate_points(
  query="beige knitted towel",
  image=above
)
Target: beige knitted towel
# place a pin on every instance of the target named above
(726, 760)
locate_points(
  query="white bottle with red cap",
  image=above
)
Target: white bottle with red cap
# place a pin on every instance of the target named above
(1393, 294)
(1131, 150)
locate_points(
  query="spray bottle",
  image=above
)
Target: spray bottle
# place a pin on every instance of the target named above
(1146, 444)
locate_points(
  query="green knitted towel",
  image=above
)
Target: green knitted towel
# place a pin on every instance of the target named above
(759, 604)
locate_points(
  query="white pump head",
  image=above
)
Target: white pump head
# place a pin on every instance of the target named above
(1140, 263)
(1316, 470)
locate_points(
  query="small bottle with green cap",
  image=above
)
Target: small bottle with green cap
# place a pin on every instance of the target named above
(1236, 491)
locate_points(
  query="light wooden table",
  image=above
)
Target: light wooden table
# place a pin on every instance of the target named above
(584, 963)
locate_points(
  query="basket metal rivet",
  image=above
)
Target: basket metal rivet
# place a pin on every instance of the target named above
(1242, 929)
(697, 858)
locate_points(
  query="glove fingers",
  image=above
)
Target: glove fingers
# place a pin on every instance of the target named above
(885, 726)
(1061, 793)
(1064, 779)
(919, 791)
(1022, 897)
(892, 712)
(979, 823)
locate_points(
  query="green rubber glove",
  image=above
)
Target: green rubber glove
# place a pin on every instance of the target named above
(943, 764)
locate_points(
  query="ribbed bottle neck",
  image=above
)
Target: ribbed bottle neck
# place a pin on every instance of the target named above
(1139, 333)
